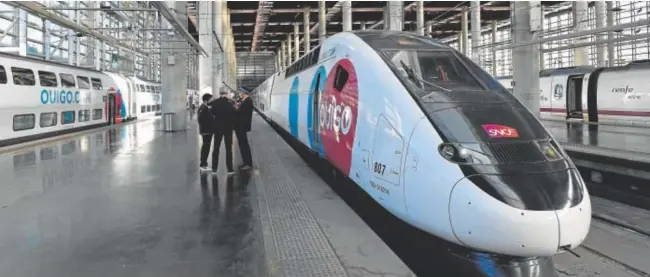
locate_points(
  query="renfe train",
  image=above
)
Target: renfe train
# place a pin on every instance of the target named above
(614, 95)
(43, 98)
(434, 139)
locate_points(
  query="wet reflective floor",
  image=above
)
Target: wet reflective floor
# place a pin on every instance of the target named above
(125, 202)
(635, 139)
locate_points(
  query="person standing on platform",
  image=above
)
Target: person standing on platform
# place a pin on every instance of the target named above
(223, 110)
(206, 129)
(243, 126)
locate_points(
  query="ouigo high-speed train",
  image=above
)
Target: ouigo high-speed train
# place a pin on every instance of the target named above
(611, 95)
(434, 139)
(44, 98)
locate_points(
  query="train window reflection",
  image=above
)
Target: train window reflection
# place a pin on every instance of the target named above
(47, 79)
(24, 122)
(47, 119)
(97, 83)
(97, 114)
(432, 70)
(83, 82)
(67, 80)
(67, 117)
(3, 75)
(23, 76)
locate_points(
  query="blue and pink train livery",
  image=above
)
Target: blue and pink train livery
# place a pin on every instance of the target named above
(433, 139)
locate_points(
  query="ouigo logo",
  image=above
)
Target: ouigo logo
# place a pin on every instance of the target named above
(500, 131)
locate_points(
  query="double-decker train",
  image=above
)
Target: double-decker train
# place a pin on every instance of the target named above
(612, 95)
(44, 98)
(433, 139)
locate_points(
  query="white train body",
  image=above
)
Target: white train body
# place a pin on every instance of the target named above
(350, 101)
(612, 95)
(148, 98)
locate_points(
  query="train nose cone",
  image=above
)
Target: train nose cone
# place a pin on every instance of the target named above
(508, 220)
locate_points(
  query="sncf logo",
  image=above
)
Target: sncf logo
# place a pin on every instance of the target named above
(500, 131)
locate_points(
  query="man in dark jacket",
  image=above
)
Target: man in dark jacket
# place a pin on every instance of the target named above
(206, 129)
(223, 110)
(244, 116)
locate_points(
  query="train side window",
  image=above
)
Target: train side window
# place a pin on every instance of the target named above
(148, 108)
(341, 78)
(3, 75)
(67, 80)
(67, 117)
(97, 114)
(83, 82)
(149, 89)
(24, 121)
(48, 79)
(23, 76)
(47, 119)
(84, 115)
(143, 109)
(97, 84)
(142, 88)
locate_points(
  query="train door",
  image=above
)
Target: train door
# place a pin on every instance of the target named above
(111, 109)
(574, 97)
(315, 118)
(386, 166)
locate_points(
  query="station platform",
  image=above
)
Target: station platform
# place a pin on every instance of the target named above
(130, 201)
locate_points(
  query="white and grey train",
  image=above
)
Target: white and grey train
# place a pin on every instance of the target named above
(611, 95)
(43, 98)
(434, 139)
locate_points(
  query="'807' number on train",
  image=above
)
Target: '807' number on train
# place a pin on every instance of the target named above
(379, 168)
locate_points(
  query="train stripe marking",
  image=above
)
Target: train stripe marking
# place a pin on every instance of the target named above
(322, 73)
(293, 107)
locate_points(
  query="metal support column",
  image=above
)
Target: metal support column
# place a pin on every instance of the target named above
(581, 23)
(420, 18)
(601, 18)
(611, 61)
(290, 49)
(346, 10)
(22, 32)
(525, 59)
(217, 46)
(47, 39)
(395, 15)
(174, 80)
(463, 31)
(493, 24)
(362, 25)
(322, 21)
(283, 55)
(476, 31)
(428, 28)
(296, 40)
(205, 39)
(306, 26)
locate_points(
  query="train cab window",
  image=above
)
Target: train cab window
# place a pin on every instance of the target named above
(24, 121)
(143, 109)
(47, 79)
(67, 80)
(97, 114)
(3, 75)
(342, 76)
(67, 117)
(47, 119)
(23, 76)
(97, 84)
(84, 115)
(83, 82)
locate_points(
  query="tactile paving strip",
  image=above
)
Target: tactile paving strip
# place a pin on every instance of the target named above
(301, 249)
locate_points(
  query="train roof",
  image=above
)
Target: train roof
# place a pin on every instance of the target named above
(642, 64)
(382, 39)
(37, 60)
(566, 71)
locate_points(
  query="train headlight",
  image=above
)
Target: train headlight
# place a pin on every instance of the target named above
(550, 150)
(463, 154)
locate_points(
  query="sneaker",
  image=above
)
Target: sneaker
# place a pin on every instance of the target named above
(214, 171)
(204, 168)
(246, 167)
(231, 172)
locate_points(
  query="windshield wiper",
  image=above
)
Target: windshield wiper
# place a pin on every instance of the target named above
(416, 77)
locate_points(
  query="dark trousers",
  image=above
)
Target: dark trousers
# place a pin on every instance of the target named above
(226, 135)
(205, 149)
(244, 148)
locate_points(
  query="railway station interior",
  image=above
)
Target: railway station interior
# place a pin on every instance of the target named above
(388, 138)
